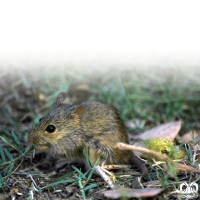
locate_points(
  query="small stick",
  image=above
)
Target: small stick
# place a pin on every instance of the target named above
(106, 178)
(124, 146)
(110, 167)
(181, 167)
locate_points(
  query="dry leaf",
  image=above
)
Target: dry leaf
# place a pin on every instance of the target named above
(130, 193)
(188, 137)
(168, 130)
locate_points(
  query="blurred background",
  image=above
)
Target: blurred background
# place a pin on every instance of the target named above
(147, 87)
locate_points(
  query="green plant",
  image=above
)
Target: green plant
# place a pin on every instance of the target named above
(83, 179)
(61, 180)
(5, 155)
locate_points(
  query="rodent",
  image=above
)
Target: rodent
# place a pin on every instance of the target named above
(67, 129)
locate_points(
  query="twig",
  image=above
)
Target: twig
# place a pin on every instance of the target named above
(181, 167)
(34, 183)
(106, 178)
(109, 167)
(124, 146)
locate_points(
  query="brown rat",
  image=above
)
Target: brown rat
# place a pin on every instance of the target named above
(67, 129)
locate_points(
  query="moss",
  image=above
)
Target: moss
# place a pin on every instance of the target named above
(165, 147)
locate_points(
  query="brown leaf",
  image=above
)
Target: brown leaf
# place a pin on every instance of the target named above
(187, 137)
(168, 130)
(130, 193)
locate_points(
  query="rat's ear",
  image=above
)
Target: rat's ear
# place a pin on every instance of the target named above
(59, 99)
(79, 112)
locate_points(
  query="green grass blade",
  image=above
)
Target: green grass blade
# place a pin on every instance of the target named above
(9, 118)
(11, 169)
(63, 181)
(19, 157)
(15, 138)
(34, 153)
(84, 175)
(90, 176)
(6, 132)
(6, 170)
(129, 102)
(88, 158)
(76, 176)
(12, 145)
(78, 170)
(17, 141)
(63, 177)
(8, 154)
(157, 171)
(97, 161)
(5, 185)
(91, 173)
(1, 180)
(80, 184)
(2, 154)
(91, 186)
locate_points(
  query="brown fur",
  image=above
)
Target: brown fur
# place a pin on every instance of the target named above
(91, 124)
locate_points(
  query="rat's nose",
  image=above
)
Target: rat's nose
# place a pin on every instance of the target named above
(33, 138)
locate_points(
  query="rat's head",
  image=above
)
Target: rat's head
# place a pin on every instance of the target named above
(57, 132)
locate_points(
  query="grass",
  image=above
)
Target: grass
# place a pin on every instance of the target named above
(152, 96)
(6, 172)
(81, 179)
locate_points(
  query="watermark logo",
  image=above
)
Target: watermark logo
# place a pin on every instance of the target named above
(189, 191)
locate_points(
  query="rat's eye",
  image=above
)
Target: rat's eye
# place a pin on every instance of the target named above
(40, 119)
(50, 128)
